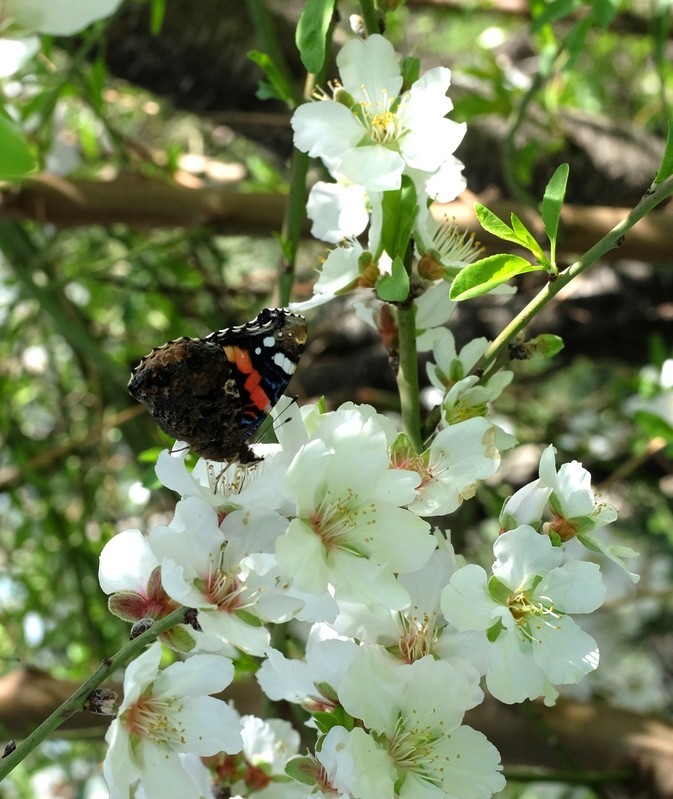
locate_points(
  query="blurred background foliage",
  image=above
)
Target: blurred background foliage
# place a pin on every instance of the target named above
(146, 127)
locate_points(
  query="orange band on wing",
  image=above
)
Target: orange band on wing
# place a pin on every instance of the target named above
(240, 358)
(258, 399)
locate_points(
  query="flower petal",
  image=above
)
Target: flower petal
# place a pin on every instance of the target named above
(369, 71)
(60, 17)
(325, 129)
(373, 166)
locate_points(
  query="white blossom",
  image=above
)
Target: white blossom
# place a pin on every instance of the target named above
(413, 714)
(21, 19)
(372, 134)
(522, 611)
(165, 713)
(350, 531)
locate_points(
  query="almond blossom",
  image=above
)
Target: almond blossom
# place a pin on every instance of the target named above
(372, 132)
(523, 613)
(414, 718)
(350, 530)
(165, 713)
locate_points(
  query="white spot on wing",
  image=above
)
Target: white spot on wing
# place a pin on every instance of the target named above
(284, 363)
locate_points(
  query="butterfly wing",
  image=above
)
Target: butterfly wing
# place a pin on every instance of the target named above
(215, 392)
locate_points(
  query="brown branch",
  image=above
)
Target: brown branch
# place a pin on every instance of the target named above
(147, 203)
(142, 203)
(589, 736)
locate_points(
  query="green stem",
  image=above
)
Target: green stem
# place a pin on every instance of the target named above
(611, 240)
(293, 224)
(295, 213)
(77, 701)
(370, 16)
(407, 374)
(495, 355)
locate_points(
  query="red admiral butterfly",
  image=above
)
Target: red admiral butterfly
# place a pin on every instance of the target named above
(214, 392)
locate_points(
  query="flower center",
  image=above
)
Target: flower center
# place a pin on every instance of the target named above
(333, 521)
(384, 127)
(156, 718)
(224, 590)
(322, 780)
(256, 778)
(413, 749)
(380, 117)
(562, 527)
(528, 614)
(418, 638)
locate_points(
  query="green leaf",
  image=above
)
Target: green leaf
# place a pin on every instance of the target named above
(472, 105)
(493, 632)
(275, 86)
(325, 690)
(16, 158)
(660, 24)
(552, 202)
(311, 33)
(337, 717)
(249, 618)
(605, 11)
(654, 425)
(494, 225)
(394, 287)
(157, 14)
(575, 42)
(399, 212)
(666, 168)
(553, 12)
(526, 238)
(482, 276)
(179, 638)
(98, 78)
(614, 552)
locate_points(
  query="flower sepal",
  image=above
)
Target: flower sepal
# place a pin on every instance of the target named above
(179, 639)
(410, 67)
(128, 606)
(615, 552)
(305, 770)
(498, 591)
(337, 717)
(493, 632)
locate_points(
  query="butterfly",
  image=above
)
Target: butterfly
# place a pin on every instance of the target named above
(215, 392)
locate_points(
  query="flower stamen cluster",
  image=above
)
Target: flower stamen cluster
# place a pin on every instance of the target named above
(156, 718)
(418, 638)
(413, 750)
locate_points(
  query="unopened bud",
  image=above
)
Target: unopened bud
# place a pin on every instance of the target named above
(340, 95)
(140, 627)
(430, 268)
(102, 701)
